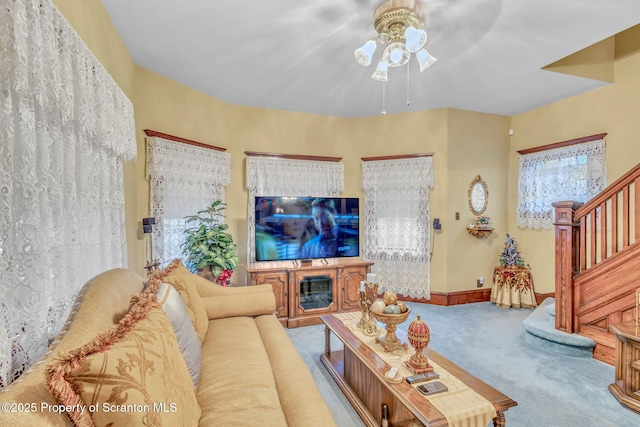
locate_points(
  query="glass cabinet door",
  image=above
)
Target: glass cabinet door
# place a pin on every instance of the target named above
(316, 292)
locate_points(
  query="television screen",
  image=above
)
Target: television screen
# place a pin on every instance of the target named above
(289, 228)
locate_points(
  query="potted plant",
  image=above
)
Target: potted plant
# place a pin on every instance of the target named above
(208, 247)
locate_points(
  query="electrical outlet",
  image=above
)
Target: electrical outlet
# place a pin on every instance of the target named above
(457, 216)
(480, 282)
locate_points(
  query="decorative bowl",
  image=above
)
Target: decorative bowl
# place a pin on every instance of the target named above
(391, 319)
(390, 342)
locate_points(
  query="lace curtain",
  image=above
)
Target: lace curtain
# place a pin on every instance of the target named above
(574, 173)
(396, 223)
(269, 176)
(184, 179)
(65, 129)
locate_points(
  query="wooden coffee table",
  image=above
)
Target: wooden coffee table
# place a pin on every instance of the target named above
(359, 372)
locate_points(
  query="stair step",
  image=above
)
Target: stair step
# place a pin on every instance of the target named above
(551, 311)
(551, 308)
(540, 325)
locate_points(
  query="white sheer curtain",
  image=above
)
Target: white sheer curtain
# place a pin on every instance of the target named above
(184, 179)
(270, 176)
(577, 173)
(396, 223)
(65, 129)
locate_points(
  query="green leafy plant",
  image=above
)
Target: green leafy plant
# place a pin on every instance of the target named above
(207, 243)
(483, 220)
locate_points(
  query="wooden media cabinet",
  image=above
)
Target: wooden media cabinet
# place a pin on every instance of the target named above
(305, 293)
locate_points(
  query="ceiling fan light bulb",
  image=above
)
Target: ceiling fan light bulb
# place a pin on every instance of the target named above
(396, 56)
(425, 59)
(381, 72)
(364, 53)
(416, 39)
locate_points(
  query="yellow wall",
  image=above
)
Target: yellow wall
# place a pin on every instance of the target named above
(478, 145)
(465, 144)
(169, 107)
(612, 109)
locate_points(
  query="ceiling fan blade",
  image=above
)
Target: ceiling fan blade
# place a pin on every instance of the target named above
(454, 26)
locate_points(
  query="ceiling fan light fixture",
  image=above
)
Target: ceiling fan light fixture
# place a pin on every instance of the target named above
(425, 59)
(397, 54)
(364, 53)
(416, 39)
(381, 71)
(400, 23)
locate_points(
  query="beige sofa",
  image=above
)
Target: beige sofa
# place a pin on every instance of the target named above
(251, 374)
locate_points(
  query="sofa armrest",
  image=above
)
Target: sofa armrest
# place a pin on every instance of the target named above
(220, 302)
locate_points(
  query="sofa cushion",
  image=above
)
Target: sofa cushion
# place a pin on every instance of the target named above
(185, 283)
(301, 400)
(237, 385)
(126, 372)
(188, 340)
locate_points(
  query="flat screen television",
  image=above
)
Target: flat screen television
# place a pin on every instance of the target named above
(290, 228)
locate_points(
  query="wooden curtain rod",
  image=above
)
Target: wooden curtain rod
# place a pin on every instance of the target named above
(150, 132)
(563, 144)
(293, 156)
(396, 157)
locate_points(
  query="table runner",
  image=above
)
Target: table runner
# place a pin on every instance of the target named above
(460, 405)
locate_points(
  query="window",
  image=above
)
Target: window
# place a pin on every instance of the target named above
(288, 176)
(396, 223)
(572, 173)
(184, 179)
(66, 130)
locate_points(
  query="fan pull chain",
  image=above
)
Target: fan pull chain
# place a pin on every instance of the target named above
(384, 111)
(408, 67)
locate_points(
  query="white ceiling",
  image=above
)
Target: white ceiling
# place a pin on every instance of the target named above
(298, 55)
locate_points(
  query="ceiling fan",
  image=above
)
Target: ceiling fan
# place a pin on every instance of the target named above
(453, 26)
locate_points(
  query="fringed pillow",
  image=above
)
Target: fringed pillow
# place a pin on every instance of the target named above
(185, 283)
(131, 374)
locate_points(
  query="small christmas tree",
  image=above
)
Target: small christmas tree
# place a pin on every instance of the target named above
(510, 256)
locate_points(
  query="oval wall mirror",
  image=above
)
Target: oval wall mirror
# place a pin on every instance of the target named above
(478, 196)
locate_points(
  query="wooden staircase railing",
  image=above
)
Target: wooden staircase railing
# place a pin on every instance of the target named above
(598, 262)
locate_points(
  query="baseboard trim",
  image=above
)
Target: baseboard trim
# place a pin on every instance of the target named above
(464, 297)
(452, 298)
(542, 297)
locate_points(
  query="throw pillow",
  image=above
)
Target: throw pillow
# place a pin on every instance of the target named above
(185, 283)
(185, 333)
(131, 374)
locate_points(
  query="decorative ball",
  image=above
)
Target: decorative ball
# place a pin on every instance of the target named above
(402, 306)
(390, 298)
(378, 306)
(418, 334)
(392, 309)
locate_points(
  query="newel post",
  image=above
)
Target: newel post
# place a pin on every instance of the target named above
(567, 247)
